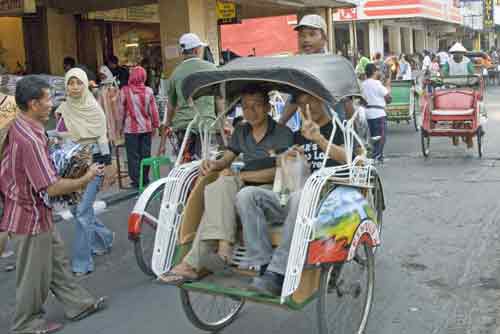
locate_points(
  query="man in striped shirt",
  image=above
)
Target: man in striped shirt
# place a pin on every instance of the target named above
(27, 176)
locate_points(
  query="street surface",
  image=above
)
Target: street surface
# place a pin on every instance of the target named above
(438, 271)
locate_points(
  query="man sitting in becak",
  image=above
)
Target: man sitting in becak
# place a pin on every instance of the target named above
(459, 65)
(257, 206)
(254, 139)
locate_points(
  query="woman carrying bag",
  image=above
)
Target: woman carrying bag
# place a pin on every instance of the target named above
(83, 121)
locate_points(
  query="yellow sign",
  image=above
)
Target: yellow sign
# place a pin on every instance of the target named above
(227, 12)
(17, 7)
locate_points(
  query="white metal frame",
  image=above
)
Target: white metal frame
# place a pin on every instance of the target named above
(356, 172)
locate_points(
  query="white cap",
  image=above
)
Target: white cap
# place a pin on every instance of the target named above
(312, 21)
(458, 48)
(190, 41)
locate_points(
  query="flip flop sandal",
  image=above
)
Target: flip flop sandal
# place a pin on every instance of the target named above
(50, 327)
(99, 305)
(175, 282)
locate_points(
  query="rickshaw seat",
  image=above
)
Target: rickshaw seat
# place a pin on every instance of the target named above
(454, 100)
(455, 112)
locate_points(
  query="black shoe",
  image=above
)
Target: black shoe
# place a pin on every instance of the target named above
(269, 284)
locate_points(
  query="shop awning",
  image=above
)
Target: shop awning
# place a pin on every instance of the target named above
(84, 6)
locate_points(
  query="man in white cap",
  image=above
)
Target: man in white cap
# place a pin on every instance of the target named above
(312, 34)
(179, 114)
(458, 64)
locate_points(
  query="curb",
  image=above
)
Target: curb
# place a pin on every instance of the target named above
(110, 200)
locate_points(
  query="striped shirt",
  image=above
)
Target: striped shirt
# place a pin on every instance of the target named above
(26, 172)
(139, 110)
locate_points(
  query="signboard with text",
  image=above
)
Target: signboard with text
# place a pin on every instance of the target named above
(488, 14)
(142, 14)
(227, 13)
(17, 7)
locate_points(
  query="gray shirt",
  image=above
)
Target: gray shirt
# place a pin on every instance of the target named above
(256, 156)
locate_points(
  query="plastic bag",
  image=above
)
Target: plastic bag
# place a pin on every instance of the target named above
(295, 172)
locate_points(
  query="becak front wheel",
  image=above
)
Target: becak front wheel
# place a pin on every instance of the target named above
(346, 294)
(209, 312)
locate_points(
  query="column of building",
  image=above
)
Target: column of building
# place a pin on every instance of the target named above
(376, 37)
(181, 16)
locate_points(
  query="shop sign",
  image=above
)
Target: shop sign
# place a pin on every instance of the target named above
(348, 14)
(141, 14)
(227, 13)
(488, 15)
(17, 7)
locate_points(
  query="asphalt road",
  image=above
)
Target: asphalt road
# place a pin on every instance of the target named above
(438, 270)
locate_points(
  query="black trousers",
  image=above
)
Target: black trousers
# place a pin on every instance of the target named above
(138, 147)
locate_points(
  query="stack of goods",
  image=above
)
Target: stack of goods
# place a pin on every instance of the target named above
(71, 161)
(8, 86)
(56, 88)
(8, 112)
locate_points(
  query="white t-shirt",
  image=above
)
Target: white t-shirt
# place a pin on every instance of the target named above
(426, 64)
(375, 93)
(443, 57)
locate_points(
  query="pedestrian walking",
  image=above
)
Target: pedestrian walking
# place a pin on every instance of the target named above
(121, 73)
(83, 121)
(376, 97)
(141, 119)
(27, 177)
(404, 68)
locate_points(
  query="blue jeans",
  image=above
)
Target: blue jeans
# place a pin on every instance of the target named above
(378, 127)
(90, 235)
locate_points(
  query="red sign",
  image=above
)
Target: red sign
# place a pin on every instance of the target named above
(348, 14)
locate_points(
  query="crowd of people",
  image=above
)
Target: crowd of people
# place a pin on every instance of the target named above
(116, 107)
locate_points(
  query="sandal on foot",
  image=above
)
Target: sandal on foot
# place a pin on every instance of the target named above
(48, 328)
(99, 305)
(174, 279)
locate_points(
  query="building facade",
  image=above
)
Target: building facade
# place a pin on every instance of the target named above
(397, 26)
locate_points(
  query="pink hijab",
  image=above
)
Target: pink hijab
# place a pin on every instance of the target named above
(137, 79)
(137, 88)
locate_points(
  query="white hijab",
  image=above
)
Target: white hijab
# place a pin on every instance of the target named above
(83, 116)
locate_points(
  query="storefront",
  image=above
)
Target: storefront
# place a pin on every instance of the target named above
(406, 27)
(12, 49)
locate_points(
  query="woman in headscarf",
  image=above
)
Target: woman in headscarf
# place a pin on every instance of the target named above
(109, 99)
(83, 121)
(141, 118)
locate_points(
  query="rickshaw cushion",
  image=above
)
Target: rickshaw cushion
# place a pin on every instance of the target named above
(455, 100)
(454, 112)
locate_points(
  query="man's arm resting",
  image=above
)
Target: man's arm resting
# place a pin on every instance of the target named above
(225, 162)
(264, 176)
(67, 186)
